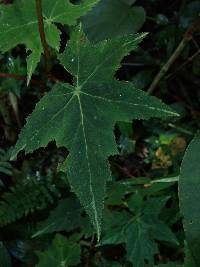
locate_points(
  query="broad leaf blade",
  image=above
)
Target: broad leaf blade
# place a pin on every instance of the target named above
(189, 194)
(82, 117)
(140, 245)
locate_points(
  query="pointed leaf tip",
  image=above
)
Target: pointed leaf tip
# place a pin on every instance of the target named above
(81, 117)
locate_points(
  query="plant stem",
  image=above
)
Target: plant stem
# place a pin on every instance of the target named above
(189, 60)
(20, 78)
(42, 34)
(181, 129)
(186, 38)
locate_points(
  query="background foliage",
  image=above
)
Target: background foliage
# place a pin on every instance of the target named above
(42, 221)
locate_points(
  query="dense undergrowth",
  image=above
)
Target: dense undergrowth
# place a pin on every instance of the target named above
(47, 195)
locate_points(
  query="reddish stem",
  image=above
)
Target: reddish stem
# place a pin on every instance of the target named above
(20, 78)
(42, 34)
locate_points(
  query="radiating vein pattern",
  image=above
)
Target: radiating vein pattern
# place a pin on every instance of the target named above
(81, 117)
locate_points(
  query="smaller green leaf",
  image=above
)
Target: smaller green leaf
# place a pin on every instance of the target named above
(135, 234)
(66, 216)
(19, 25)
(135, 202)
(62, 252)
(162, 232)
(139, 233)
(139, 243)
(153, 206)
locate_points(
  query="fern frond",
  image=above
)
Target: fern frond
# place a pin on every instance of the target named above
(25, 198)
(5, 166)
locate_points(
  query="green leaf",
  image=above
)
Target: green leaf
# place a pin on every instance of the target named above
(62, 252)
(66, 216)
(115, 193)
(19, 25)
(82, 117)
(189, 194)
(140, 232)
(140, 245)
(5, 258)
(111, 18)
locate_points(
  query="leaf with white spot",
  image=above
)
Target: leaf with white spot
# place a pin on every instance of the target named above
(82, 116)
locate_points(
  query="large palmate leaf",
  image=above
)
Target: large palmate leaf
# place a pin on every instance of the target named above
(189, 194)
(19, 25)
(111, 18)
(82, 117)
(62, 252)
